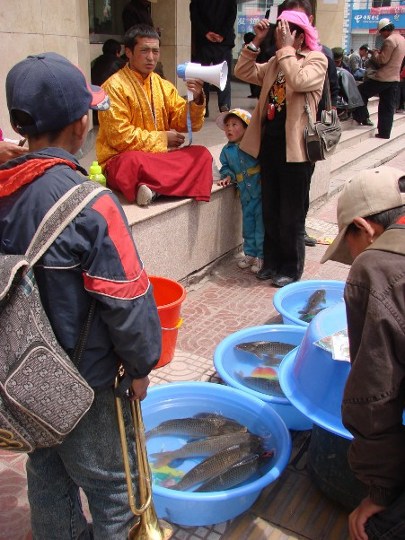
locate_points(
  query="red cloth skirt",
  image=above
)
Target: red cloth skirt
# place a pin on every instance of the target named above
(186, 172)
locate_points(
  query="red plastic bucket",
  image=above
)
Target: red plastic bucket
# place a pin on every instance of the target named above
(169, 295)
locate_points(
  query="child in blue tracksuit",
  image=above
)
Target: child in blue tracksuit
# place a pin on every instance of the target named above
(243, 170)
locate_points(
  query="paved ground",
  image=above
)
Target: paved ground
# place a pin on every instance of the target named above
(223, 301)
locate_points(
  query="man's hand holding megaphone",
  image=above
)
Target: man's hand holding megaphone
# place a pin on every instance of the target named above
(195, 86)
(197, 74)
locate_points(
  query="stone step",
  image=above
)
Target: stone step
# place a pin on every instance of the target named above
(360, 149)
(365, 154)
(353, 134)
(180, 237)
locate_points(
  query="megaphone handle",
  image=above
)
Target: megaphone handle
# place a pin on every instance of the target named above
(189, 127)
(190, 95)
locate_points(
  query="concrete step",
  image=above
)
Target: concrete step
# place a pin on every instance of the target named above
(360, 149)
(179, 237)
(352, 133)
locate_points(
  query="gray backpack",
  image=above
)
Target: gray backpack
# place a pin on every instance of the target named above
(42, 394)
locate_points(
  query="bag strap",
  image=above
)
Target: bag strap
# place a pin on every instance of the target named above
(53, 223)
(328, 102)
(59, 216)
(308, 111)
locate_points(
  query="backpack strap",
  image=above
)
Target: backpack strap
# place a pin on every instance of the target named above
(53, 223)
(59, 216)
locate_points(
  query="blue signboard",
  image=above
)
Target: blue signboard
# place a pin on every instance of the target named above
(247, 22)
(363, 20)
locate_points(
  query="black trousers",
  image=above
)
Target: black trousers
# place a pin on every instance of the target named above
(285, 195)
(387, 92)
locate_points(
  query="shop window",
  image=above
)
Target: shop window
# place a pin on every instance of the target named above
(105, 19)
(381, 3)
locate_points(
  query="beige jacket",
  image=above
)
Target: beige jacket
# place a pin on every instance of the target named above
(390, 58)
(304, 72)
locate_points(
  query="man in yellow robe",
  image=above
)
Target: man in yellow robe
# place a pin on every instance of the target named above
(140, 136)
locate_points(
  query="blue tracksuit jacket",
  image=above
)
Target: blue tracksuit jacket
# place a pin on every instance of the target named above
(95, 256)
(244, 171)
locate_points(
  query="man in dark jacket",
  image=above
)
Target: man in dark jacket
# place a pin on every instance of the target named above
(94, 258)
(107, 63)
(212, 23)
(136, 12)
(371, 220)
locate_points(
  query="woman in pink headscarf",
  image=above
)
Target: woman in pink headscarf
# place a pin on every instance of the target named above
(276, 136)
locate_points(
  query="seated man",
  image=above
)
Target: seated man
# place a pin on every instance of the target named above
(140, 135)
(338, 57)
(357, 62)
(349, 96)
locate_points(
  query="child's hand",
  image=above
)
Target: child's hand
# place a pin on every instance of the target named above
(224, 181)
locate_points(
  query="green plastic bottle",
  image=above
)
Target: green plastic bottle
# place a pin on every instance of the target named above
(96, 174)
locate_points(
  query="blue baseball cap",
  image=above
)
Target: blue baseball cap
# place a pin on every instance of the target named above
(52, 91)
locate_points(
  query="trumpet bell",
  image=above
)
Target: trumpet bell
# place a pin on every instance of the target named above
(150, 527)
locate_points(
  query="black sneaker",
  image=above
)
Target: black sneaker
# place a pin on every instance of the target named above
(309, 240)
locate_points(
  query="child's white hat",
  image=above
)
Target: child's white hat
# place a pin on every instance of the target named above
(245, 116)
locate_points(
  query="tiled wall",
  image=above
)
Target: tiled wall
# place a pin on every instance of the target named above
(37, 26)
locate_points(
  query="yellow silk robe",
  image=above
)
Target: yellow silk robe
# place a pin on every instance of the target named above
(136, 121)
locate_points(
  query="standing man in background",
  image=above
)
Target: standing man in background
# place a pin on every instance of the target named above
(136, 12)
(212, 23)
(384, 81)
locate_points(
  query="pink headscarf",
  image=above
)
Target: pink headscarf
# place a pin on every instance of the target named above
(300, 19)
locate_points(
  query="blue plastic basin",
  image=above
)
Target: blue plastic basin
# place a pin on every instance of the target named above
(312, 380)
(228, 362)
(181, 400)
(292, 298)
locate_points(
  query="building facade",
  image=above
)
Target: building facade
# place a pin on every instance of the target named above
(362, 17)
(77, 29)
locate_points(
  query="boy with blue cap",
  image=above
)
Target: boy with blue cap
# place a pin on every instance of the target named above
(94, 260)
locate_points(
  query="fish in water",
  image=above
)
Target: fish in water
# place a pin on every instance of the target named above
(194, 427)
(200, 448)
(313, 305)
(235, 475)
(265, 372)
(218, 463)
(265, 350)
(264, 385)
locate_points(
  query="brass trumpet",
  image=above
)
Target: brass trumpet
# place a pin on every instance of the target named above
(148, 527)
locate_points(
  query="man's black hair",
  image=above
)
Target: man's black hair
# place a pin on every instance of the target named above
(293, 4)
(21, 120)
(139, 31)
(111, 46)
